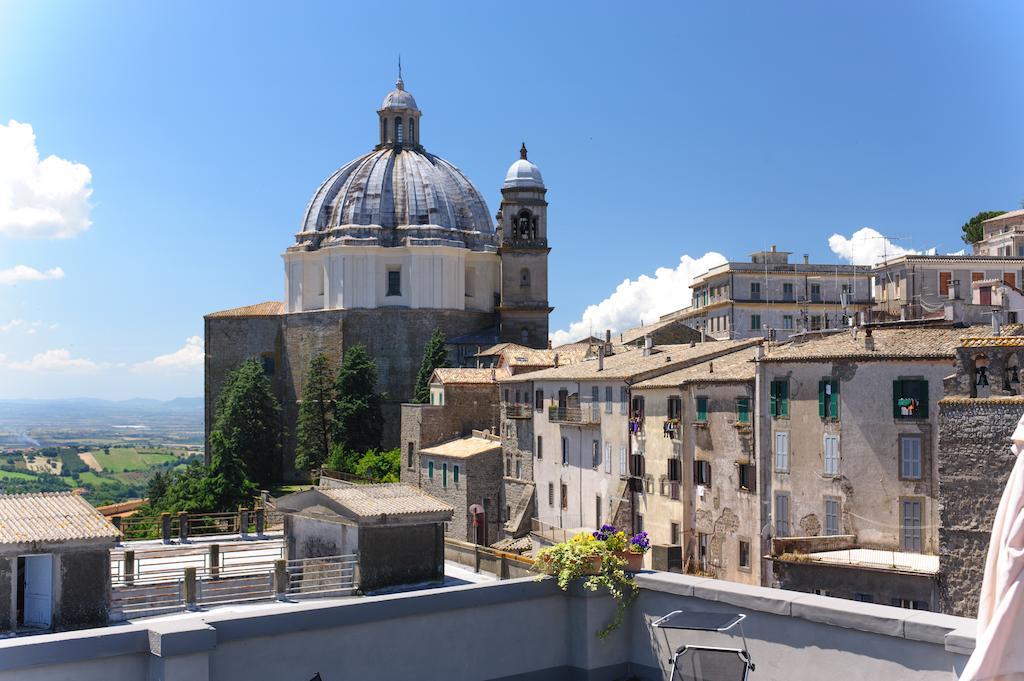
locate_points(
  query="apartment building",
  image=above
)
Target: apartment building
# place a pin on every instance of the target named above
(922, 286)
(700, 490)
(584, 430)
(769, 294)
(1002, 235)
(847, 447)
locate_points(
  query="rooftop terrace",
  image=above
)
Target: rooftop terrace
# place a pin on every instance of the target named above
(516, 629)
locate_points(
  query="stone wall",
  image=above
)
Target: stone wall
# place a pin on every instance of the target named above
(974, 460)
(394, 337)
(404, 554)
(518, 444)
(84, 589)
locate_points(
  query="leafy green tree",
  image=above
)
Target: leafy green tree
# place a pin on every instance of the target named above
(315, 430)
(221, 486)
(380, 466)
(435, 356)
(358, 417)
(157, 487)
(249, 419)
(972, 229)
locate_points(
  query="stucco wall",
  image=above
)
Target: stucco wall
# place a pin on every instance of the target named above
(84, 588)
(404, 554)
(974, 462)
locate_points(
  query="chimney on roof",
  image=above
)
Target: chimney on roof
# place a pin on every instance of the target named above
(996, 322)
(549, 343)
(807, 259)
(758, 352)
(711, 367)
(608, 336)
(869, 340)
(600, 358)
(648, 345)
(494, 377)
(556, 360)
(773, 248)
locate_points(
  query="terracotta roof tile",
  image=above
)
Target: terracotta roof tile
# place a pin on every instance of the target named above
(463, 448)
(270, 308)
(51, 517)
(369, 501)
(732, 368)
(465, 376)
(889, 344)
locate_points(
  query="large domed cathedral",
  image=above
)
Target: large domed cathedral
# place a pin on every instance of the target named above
(392, 245)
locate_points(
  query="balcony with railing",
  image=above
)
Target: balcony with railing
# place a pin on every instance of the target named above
(518, 411)
(585, 413)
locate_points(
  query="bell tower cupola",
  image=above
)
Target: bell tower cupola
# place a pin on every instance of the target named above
(523, 219)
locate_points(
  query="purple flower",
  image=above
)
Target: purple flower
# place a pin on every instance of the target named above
(605, 532)
(640, 541)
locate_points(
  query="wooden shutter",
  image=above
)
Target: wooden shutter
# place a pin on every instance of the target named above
(702, 409)
(944, 280)
(773, 400)
(922, 399)
(1010, 279)
(897, 389)
(784, 389)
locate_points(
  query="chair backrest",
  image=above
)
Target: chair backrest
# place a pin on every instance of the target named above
(698, 663)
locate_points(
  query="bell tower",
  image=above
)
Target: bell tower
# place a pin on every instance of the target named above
(523, 224)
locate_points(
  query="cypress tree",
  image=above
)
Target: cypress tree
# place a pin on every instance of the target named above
(435, 356)
(249, 419)
(358, 418)
(315, 429)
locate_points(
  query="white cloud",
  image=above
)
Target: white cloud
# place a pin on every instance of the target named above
(56, 361)
(26, 326)
(20, 273)
(40, 199)
(189, 356)
(11, 325)
(867, 246)
(644, 298)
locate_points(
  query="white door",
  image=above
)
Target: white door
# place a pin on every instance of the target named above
(38, 591)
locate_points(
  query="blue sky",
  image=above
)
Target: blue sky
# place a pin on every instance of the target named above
(664, 131)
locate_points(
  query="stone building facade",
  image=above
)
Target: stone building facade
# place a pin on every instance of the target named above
(975, 460)
(394, 245)
(700, 474)
(467, 474)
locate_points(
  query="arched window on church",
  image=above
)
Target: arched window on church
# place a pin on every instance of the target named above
(524, 336)
(412, 131)
(524, 278)
(398, 131)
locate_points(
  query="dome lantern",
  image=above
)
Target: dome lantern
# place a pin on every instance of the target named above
(523, 174)
(399, 117)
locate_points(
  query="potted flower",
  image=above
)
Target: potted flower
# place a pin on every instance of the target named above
(590, 556)
(629, 550)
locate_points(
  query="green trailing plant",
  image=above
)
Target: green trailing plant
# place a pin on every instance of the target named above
(594, 560)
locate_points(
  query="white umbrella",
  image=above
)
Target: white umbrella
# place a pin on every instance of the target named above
(999, 650)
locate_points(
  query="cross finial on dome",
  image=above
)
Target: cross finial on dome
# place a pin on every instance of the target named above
(522, 151)
(400, 84)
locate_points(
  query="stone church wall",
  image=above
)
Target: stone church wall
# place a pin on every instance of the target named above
(395, 338)
(974, 460)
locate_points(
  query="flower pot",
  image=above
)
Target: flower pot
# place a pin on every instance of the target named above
(594, 566)
(634, 561)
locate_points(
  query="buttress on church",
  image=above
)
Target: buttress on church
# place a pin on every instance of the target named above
(392, 245)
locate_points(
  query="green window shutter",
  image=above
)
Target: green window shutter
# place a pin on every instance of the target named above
(455, 473)
(834, 402)
(784, 386)
(896, 390)
(743, 409)
(821, 399)
(773, 401)
(430, 470)
(702, 409)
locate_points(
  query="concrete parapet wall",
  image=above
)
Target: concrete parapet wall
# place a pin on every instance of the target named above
(793, 636)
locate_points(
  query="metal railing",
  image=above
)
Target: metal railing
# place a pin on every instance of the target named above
(587, 414)
(518, 411)
(344, 477)
(166, 526)
(161, 591)
(555, 533)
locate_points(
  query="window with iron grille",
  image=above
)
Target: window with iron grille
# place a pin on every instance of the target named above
(551, 494)
(540, 447)
(394, 283)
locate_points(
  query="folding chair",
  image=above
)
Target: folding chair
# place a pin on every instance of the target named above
(706, 663)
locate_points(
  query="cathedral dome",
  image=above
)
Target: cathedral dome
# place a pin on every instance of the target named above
(522, 173)
(398, 194)
(393, 187)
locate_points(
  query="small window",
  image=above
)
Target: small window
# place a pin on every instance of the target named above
(831, 454)
(755, 322)
(702, 473)
(538, 400)
(565, 496)
(455, 472)
(782, 452)
(831, 516)
(910, 457)
(755, 290)
(787, 322)
(394, 283)
(787, 292)
(674, 408)
(781, 515)
(551, 494)
(815, 293)
(828, 399)
(444, 474)
(565, 451)
(524, 278)
(864, 598)
(623, 400)
(910, 399)
(743, 409)
(430, 470)
(540, 447)
(702, 409)
(778, 404)
(910, 525)
(398, 131)
(746, 475)
(524, 336)
(596, 454)
(744, 554)
(675, 470)
(519, 469)
(609, 394)
(674, 534)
